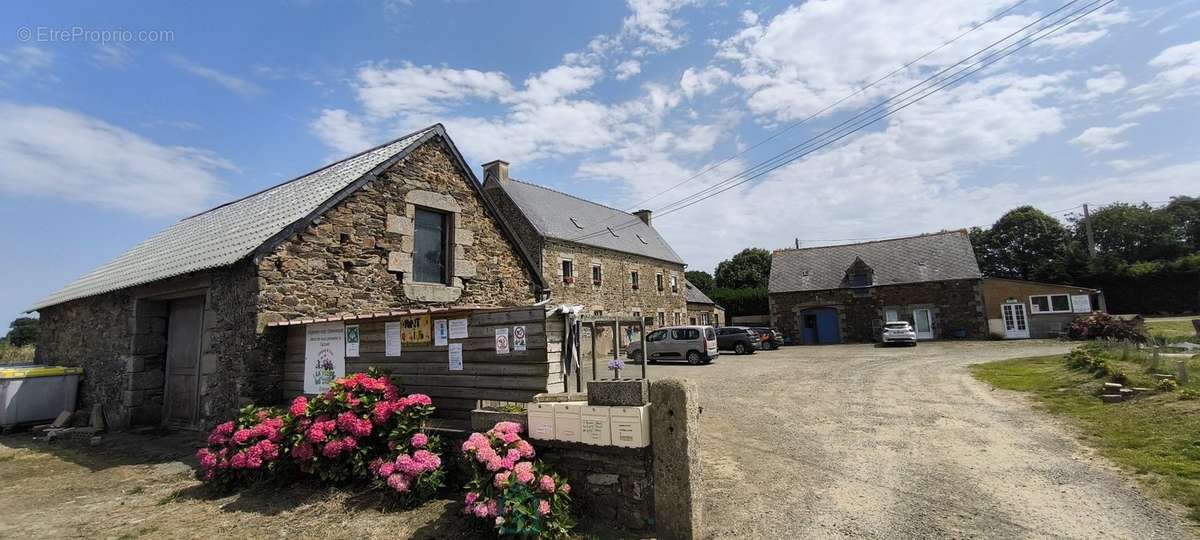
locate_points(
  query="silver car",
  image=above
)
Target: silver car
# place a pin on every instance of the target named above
(696, 344)
(899, 332)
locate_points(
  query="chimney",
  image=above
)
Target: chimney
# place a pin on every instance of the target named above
(498, 168)
(644, 215)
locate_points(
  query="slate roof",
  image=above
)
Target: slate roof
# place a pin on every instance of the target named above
(227, 233)
(695, 296)
(565, 217)
(928, 257)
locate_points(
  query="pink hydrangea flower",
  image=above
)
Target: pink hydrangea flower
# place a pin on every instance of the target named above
(547, 483)
(525, 449)
(566, 488)
(524, 472)
(419, 440)
(543, 507)
(501, 479)
(242, 435)
(471, 497)
(302, 451)
(398, 482)
(299, 406)
(206, 458)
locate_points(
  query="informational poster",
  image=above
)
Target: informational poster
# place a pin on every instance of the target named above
(458, 329)
(456, 357)
(391, 338)
(324, 355)
(352, 339)
(502, 341)
(1081, 303)
(518, 339)
(441, 333)
(415, 329)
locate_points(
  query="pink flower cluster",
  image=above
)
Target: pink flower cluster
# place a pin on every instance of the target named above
(245, 448)
(505, 456)
(403, 472)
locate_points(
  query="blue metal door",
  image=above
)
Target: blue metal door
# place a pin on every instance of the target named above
(819, 326)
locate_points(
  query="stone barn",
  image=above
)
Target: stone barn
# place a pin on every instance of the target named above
(838, 294)
(184, 328)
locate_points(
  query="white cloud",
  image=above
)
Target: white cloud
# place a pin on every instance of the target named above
(653, 22)
(1098, 139)
(628, 69)
(386, 91)
(47, 151)
(232, 83)
(703, 82)
(25, 60)
(111, 55)
(1140, 112)
(1178, 73)
(1108, 83)
(558, 82)
(341, 132)
(1123, 165)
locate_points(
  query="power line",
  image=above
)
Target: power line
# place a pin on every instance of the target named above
(816, 143)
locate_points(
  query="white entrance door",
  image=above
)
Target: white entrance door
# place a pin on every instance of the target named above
(924, 323)
(1015, 324)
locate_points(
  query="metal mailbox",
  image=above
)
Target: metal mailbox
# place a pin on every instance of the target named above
(568, 420)
(630, 426)
(541, 420)
(595, 425)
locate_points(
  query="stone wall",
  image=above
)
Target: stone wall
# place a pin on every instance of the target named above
(92, 333)
(696, 312)
(358, 256)
(956, 305)
(615, 294)
(609, 484)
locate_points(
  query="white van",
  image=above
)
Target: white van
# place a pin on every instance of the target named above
(696, 344)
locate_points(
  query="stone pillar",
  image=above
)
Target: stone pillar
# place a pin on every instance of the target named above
(675, 441)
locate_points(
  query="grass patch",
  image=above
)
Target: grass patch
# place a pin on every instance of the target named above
(1171, 330)
(1156, 435)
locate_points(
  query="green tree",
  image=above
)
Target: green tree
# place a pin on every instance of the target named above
(1134, 233)
(1024, 243)
(749, 269)
(1184, 212)
(700, 279)
(22, 331)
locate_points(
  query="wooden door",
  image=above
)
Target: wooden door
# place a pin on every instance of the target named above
(181, 396)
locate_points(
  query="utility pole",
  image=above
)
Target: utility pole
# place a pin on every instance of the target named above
(1087, 227)
(797, 242)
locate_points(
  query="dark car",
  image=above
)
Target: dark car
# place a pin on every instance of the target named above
(771, 338)
(739, 339)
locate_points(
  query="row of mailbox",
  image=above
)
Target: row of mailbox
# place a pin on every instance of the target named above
(579, 422)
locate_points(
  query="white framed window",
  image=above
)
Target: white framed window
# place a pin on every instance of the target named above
(597, 275)
(1050, 303)
(674, 284)
(662, 319)
(568, 271)
(658, 278)
(678, 318)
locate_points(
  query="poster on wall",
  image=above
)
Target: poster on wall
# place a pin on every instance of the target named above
(391, 338)
(1081, 303)
(518, 338)
(502, 341)
(441, 333)
(458, 329)
(456, 357)
(352, 338)
(324, 355)
(415, 329)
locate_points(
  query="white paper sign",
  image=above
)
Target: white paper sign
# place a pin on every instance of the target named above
(501, 341)
(458, 329)
(352, 339)
(440, 333)
(518, 338)
(324, 355)
(456, 361)
(1081, 303)
(391, 338)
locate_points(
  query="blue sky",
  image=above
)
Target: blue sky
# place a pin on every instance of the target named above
(109, 137)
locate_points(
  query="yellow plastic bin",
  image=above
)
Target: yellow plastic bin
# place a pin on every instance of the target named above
(31, 394)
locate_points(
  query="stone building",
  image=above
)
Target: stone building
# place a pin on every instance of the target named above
(609, 261)
(845, 293)
(700, 308)
(175, 330)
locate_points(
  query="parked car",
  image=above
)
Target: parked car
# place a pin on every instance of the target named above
(771, 338)
(739, 339)
(899, 332)
(696, 344)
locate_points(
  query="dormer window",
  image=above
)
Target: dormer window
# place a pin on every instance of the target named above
(859, 274)
(860, 279)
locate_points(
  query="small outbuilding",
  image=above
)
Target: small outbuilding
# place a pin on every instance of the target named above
(1019, 309)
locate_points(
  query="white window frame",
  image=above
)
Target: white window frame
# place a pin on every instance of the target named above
(1035, 310)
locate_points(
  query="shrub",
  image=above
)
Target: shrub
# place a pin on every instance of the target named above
(1189, 393)
(1118, 376)
(245, 449)
(1104, 326)
(1167, 385)
(519, 496)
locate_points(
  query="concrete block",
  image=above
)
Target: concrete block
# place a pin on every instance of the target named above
(424, 292)
(1112, 398)
(400, 262)
(1111, 387)
(464, 268)
(399, 224)
(464, 237)
(559, 397)
(619, 393)
(675, 440)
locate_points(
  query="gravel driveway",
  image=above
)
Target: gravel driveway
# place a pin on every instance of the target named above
(859, 441)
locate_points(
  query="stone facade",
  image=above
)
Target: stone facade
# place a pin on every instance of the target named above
(355, 258)
(609, 484)
(956, 305)
(697, 312)
(615, 294)
(358, 256)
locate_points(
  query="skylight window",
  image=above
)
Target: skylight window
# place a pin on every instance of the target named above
(643, 240)
(576, 224)
(612, 232)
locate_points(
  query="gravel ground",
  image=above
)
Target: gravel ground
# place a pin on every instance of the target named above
(859, 441)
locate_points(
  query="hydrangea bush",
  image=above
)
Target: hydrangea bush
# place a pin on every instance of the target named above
(520, 496)
(245, 449)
